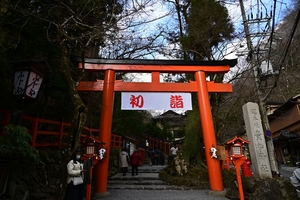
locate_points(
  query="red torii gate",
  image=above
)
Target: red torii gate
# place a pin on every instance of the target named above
(109, 85)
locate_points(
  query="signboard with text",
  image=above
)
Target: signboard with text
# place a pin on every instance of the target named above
(28, 82)
(34, 83)
(156, 101)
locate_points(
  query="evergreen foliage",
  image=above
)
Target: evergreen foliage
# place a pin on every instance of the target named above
(16, 144)
(54, 30)
(207, 24)
(192, 138)
(153, 130)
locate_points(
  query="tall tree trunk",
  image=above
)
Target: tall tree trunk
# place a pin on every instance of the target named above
(80, 109)
(192, 150)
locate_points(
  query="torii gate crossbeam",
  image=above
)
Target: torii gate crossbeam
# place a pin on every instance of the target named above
(109, 85)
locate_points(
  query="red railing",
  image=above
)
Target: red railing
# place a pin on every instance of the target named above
(4, 119)
(45, 132)
(155, 143)
(50, 133)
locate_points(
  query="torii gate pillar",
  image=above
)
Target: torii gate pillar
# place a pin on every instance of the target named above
(214, 169)
(101, 169)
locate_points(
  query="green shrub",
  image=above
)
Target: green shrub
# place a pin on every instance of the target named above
(16, 144)
(114, 162)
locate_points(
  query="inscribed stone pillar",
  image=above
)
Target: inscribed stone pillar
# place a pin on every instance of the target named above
(257, 146)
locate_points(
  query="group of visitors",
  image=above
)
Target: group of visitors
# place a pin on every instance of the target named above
(75, 168)
(156, 156)
(125, 160)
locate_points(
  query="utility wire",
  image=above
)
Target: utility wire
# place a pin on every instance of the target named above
(271, 35)
(285, 53)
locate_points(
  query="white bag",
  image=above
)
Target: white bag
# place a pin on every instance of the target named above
(77, 180)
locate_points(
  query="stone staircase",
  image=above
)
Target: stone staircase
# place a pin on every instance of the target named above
(147, 179)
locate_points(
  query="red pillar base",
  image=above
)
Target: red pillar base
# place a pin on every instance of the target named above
(102, 195)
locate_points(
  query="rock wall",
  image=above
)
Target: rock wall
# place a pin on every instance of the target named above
(45, 180)
(276, 188)
(269, 188)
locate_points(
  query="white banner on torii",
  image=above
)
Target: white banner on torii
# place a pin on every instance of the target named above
(156, 101)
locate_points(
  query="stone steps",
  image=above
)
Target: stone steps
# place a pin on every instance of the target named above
(141, 184)
(147, 179)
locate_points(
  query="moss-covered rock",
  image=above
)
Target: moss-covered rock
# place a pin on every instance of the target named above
(253, 188)
(271, 188)
(196, 177)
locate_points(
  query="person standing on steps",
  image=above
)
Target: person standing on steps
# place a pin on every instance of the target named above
(156, 156)
(134, 162)
(173, 150)
(161, 158)
(152, 157)
(124, 161)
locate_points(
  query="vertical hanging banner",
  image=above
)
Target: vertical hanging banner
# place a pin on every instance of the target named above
(156, 101)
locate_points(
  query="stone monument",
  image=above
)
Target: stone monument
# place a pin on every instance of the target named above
(258, 149)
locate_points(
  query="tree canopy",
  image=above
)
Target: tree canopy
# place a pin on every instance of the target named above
(204, 25)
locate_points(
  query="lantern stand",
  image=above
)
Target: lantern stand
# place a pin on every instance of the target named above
(93, 152)
(27, 80)
(236, 154)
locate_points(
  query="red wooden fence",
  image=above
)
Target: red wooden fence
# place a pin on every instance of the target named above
(49, 133)
(4, 118)
(155, 143)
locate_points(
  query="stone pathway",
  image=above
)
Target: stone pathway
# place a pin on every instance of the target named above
(148, 186)
(147, 179)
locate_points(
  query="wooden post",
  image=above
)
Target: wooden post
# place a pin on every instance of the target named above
(61, 132)
(238, 163)
(34, 128)
(89, 186)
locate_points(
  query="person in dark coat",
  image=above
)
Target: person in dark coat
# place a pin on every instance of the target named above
(156, 156)
(161, 158)
(135, 162)
(152, 157)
